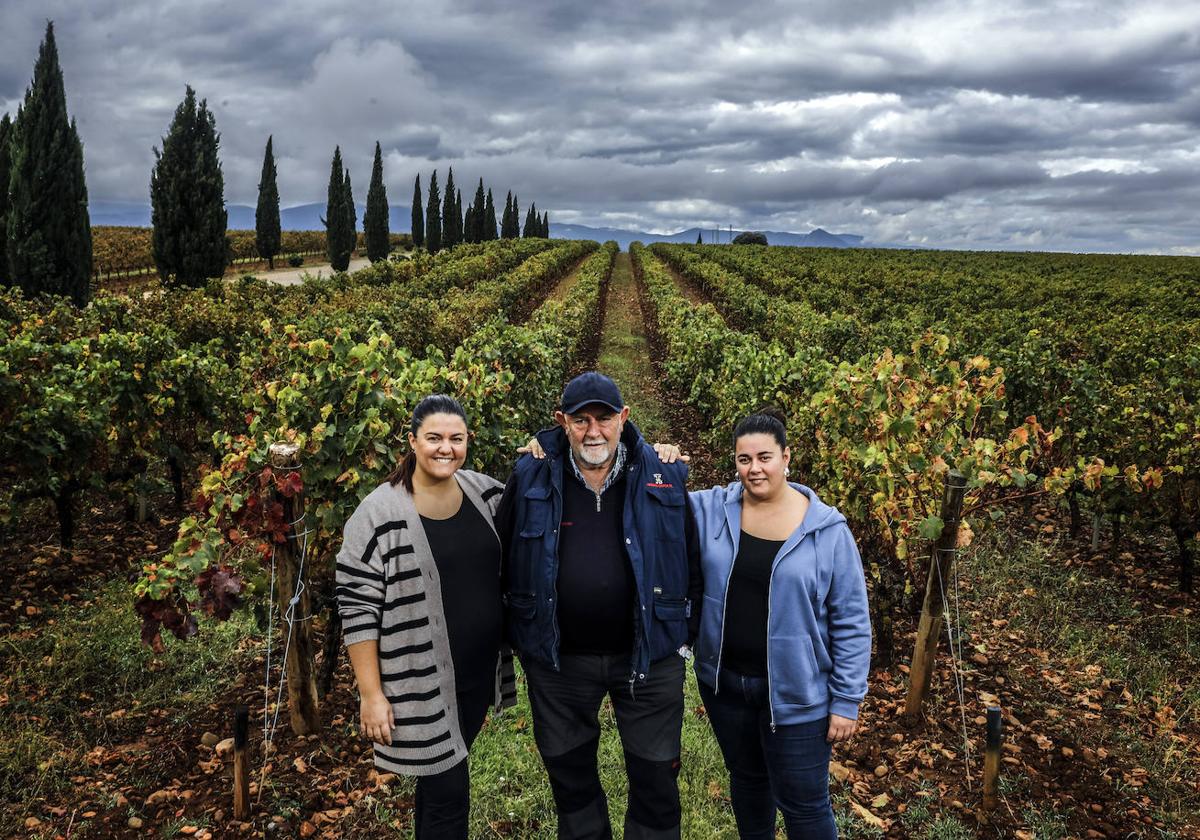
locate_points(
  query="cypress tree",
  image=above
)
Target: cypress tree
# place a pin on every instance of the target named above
(449, 231)
(335, 214)
(469, 224)
(375, 220)
(5, 170)
(418, 215)
(699, 237)
(187, 197)
(546, 224)
(350, 231)
(515, 221)
(433, 219)
(49, 234)
(489, 219)
(477, 220)
(506, 225)
(531, 222)
(267, 235)
(458, 216)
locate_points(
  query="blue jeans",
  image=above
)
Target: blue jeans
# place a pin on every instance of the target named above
(786, 769)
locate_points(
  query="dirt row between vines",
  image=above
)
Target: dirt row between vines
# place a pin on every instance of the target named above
(1071, 730)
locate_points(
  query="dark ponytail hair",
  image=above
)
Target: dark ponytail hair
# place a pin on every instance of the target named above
(432, 404)
(766, 421)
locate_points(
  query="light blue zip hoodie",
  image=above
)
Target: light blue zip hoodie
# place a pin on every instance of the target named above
(818, 624)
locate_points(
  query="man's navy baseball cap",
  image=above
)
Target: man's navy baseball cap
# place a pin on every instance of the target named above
(588, 388)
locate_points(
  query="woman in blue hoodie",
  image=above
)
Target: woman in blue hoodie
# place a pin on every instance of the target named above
(785, 636)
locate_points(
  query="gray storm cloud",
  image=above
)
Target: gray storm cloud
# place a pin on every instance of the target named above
(1068, 125)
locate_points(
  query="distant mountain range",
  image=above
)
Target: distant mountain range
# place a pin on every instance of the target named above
(308, 217)
(241, 217)
(816, 239)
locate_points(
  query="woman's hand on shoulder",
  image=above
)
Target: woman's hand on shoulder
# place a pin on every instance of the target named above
(377, 721)
(669, 453)
(840, 728)
(532, 448)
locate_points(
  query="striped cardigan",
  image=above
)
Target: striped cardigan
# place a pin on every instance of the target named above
(388, 589)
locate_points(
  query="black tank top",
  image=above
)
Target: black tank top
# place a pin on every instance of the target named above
(745, 647)
(467, 554)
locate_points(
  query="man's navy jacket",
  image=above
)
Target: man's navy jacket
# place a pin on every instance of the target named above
(661, 544)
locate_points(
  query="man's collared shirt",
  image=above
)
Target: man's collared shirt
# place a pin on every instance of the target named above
(613, 474)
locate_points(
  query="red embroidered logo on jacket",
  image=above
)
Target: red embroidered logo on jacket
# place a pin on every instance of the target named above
(658, 482)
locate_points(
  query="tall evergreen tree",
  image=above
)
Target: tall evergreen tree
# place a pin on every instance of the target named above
(335, 214)
(506, 224)
(433, 218)
(449, 229)
(489, 219)
(267, 234)
(469, 224)
(477, 221)
(49, 234)
(700, 237)
(531, 222)
(6, 128)
(351, 228)
(187, 197)
(515, 222)
(458, 216)
(418, 215)
(546, 224)
(375, 220)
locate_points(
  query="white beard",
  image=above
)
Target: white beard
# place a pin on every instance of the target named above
(595, 457)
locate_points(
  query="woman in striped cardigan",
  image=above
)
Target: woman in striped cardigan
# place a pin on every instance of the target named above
(418, 583)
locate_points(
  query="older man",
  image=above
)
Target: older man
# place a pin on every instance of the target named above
(602, 585)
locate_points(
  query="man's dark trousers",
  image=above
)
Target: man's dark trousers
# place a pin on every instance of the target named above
(649, 718)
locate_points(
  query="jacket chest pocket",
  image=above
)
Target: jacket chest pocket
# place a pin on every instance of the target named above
(536, 517)
(665, 507)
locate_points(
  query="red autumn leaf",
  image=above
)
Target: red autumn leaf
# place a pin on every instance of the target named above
(220, 588)
(173, 613)
(291, 484)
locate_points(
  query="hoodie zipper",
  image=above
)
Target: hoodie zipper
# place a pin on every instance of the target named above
(770, 580)
(725, 606)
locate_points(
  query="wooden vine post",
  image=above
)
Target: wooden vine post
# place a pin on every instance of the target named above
(940, 569)
(298, 665)
(241, 764)
(991, 760)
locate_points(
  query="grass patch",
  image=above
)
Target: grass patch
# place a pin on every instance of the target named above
(625, 353)
(86, 680)
(1045, 825)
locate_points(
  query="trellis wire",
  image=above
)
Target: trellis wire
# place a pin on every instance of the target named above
(289, 617)
(954, 635)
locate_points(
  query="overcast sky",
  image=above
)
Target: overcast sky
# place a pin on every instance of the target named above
(1028, 125)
